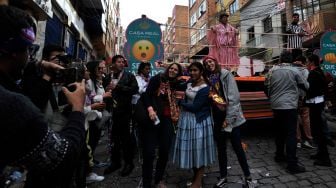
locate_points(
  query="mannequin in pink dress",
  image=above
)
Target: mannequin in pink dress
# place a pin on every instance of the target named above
(223, 41)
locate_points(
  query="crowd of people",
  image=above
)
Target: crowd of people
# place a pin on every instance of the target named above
(51, 128)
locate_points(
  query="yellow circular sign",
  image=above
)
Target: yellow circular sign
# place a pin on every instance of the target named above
(143, 50)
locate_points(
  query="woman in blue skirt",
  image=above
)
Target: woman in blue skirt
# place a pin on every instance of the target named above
(194, 146)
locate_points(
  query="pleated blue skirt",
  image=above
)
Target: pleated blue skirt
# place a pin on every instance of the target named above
(194, 144)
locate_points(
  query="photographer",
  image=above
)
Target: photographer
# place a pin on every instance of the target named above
(37, 78)
(42, 83)
(24, 135)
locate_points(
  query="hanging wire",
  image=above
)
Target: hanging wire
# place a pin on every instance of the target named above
(254, 14)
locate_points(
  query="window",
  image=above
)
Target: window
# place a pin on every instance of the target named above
(307, 8)
(267, 22)
(250, 33)
(327, 4)
(191, 2)
(233, 7)
(202, 9)
(203, 31)
(194, 39)
(316, 5)
(193, 19)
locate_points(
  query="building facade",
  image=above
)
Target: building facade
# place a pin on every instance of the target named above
(261, 28)
(102, 18)
(176, 35)
(87, 29)
(317, 16)
(202, 15)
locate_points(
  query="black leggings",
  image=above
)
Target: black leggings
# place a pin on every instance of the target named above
(221, 137)
(161, 136)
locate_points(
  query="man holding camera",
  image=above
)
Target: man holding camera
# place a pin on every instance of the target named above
(42, 84)
(34, 77)
(25, 137)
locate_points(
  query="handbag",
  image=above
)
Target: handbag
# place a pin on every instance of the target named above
(217, 100)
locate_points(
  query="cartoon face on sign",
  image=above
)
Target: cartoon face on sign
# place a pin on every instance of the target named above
(143, 50)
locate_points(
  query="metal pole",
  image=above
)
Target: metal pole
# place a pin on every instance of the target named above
(107, 29)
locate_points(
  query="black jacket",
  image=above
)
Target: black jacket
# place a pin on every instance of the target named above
(151, 97)
(26, 140)
(38, 90)
(317, 83)
(122, 94)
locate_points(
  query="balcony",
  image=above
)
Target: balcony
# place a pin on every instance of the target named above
(318, 24)
(95, 4)
(41, 9)
(253, 42)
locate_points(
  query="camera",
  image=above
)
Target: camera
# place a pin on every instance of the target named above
(64, 60)
(73, 73)
(66, 76)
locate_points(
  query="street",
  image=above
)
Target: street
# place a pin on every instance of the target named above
(260, 152)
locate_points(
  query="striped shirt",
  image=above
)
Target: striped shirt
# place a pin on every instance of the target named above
(294, 41)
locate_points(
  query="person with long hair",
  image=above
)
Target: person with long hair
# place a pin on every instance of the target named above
(227, 116)
(142, 77)
(159, 104)
(194, 145)
(97, 95)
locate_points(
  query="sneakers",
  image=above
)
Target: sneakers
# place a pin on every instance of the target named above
(222, 182)
(189, 183)
(295, 169)
(249, 183)
(93, 177)
(298, 145)
(308, 145)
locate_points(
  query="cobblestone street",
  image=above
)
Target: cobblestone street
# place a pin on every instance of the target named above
(260, 152)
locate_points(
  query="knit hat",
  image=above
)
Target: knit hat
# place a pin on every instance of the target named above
(209, 57)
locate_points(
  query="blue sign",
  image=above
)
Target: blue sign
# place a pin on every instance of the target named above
(328, 52)
(143, 44)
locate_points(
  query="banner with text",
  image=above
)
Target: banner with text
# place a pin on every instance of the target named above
(328, 52)
(143, 44)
